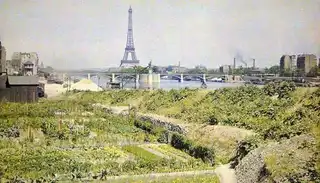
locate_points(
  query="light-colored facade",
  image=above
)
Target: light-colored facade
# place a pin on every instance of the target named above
(225, 69)
(19, 60)
(2, 59)
(286, 63)
(306, 62)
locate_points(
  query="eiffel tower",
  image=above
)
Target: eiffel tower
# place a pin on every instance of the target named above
(129, 46)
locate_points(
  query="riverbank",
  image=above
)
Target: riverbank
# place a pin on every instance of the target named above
(70, 140)
(268, 133)
(272, 113)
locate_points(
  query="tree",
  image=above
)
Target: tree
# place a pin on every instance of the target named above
(282, 89)
(313, 72)
(273, 69)
(155, 69)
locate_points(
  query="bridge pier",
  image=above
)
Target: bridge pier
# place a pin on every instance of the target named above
(113, 78)
(137, 79)
(181, 78)
(150, 79)
(204, 78)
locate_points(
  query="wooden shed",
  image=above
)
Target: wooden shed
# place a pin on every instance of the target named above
(19, 88)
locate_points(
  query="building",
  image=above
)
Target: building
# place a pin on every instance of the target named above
(176, 69)
(19, 60)
(9, 68)
(286, 64)
(19, 88)
(225, 69)
(2, 59)
(28, 68)
(306, 63)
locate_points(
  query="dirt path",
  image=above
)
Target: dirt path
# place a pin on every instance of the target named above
(226, 174)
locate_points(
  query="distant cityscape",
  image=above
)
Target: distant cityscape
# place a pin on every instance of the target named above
(28, 64)
(306, 65)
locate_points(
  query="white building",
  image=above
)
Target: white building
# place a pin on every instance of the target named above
(2, 59)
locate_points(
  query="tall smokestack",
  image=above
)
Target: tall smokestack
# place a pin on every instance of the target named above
(254, 64)
(234, 63)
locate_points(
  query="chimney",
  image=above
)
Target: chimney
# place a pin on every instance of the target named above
(234, 63)
(254, 64)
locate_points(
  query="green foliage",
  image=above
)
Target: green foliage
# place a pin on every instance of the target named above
(137, 69)
(282, 89)
(61, 145)
(169, 179)
(140, 153)
(180, 142)
(273, 69)
(248, 107)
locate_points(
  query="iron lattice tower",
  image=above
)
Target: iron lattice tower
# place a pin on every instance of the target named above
(129, 46)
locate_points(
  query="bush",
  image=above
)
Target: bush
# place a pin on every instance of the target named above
(282, 89)
(180, 142)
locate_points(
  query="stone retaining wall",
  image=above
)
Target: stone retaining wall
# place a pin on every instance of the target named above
(161, 123)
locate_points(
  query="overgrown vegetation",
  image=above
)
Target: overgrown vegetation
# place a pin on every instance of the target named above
(185, 179)
(275, 112)
(70, 140)
(179, 141)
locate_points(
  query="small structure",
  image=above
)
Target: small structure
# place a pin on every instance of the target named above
(19, 88)
(28, 68)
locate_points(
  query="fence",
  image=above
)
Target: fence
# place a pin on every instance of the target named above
(19, 94)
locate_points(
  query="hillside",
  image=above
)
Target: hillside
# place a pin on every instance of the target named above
(235, 121)
(264, 133)
(69, 140)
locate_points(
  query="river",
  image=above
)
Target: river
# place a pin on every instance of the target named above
(168, 84)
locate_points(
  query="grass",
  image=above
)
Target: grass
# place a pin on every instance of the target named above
(185, 179)
(273, 116)
(141, 153)
(169, 151)
(78, 144)
(280, 166)
(37, 143)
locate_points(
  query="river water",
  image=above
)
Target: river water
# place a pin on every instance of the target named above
(168, 84)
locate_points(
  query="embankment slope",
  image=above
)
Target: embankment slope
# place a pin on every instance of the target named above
(273, 114)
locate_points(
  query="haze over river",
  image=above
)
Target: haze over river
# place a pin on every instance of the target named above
(168, 84)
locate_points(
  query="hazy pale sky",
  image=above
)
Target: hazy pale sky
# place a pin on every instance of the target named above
(92, 33)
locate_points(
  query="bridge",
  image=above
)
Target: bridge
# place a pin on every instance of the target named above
(181, 77)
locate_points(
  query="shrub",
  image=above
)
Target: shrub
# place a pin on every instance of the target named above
(180, 142)
(282, 89)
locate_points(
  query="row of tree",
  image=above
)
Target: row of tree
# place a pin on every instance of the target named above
(238, 71)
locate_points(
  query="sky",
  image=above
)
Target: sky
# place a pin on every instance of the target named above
(79, 34)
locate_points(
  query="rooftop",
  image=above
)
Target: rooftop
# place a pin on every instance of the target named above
(28, 63)
(23, 80)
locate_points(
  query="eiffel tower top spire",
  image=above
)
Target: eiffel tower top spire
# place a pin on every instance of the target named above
(129, 45)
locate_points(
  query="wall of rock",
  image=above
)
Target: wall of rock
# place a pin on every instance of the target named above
(285, 161)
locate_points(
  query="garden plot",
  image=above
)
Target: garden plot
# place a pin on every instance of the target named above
(49, 141)
(169, 151)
